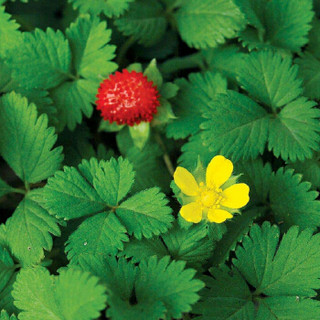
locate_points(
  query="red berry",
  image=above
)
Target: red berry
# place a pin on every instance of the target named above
(127, 98)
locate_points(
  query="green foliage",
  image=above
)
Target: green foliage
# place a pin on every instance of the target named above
(91, 226)
(279, 271)
(58, 297)
(110, 8)
(160, 287)
(26, 142)
(207, 23)
(281, 24)
(279, 116)
(145, 21)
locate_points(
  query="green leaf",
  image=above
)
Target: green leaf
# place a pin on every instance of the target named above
(291, 200)
(70, 194)
(91, 53)
(72, 99)
(258, 177)
(226, 60)
(7, 268)
(287, 270)
(192, 100)
(43, 60)
(270, 79)
(98, 235)
(4, 188)
(310, 170)
(278, 23)
(236, 127)
(25, 140)
(294, 133)
(193, 150)
(206, 23)
(145, 213)
(145, 22)
(153, 74)
(4, 316)
(158, 286)
(191, 245)
(113, 180)
(237, 228)
(29, 230)
(227, 297)
(280, 308)
(42, 296)
(282, 275)
(309, 67)
(111, 8)
(9, 34)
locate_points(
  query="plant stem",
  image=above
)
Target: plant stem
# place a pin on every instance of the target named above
(166, 157)
(123, 49)
(17, 190)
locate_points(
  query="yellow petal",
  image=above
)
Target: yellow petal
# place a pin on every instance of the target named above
(185, 181)
(218, 172)
(218, 215)
(236, 196)
(191, 212)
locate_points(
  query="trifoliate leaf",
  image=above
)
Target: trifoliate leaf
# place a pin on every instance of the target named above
(9, 34)
(100, 234)
(158, 287)
(191, 245)
(270, 79)
(192, 100)
(283, 272)
(224, 59)
(291, 200)
(25, 140)
(4, 316)
(278, 23)
(294, 132)
(100, 186)
(206, 23)
(29, 230)
(310, 170)
(309, 71)
(71, 295)
(145, 21)
(91, 53)
(111, 8)
(237, 127)
(288, 270)
(43, 60)
(145, 214)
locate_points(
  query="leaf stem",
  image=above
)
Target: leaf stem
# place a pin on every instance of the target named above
(166, 157)
(18, 190)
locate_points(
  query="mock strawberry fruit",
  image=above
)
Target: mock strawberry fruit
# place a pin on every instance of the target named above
(127, 98)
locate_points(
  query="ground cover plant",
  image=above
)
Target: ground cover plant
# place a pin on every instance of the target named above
(160, 159)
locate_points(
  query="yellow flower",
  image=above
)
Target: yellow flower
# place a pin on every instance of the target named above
(209, 199)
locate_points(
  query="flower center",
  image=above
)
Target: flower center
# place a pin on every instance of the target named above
(209, 198)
